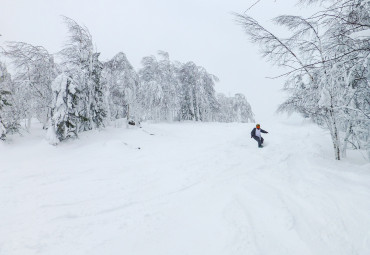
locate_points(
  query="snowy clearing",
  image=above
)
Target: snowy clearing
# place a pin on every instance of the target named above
(184, 188)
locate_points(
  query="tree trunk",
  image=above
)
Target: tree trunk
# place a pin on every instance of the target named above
(345, 142)
(127, 115)
(335, 135)
(28, 123)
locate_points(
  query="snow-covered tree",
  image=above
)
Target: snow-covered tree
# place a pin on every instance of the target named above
(161, 90)
(64, 121)
(81, 63)
(206, 95)
(34, 72)
(197, 95)
(9, 114)
(188, 79)
(170, 87)
(234, 109)
(328, 79)
(98, 106)
(3, 100)
(225, 111)
(121, 82)
(242, 109)
(150, 91)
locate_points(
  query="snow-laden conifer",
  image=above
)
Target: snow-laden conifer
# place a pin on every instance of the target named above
(81, 63)
(65, 120)
(98, 106)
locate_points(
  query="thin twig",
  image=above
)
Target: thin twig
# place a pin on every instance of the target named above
(252, 6)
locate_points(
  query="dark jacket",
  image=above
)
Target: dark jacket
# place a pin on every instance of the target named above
(253, 133)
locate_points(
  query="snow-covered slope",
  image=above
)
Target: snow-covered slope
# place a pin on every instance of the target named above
(184, 188)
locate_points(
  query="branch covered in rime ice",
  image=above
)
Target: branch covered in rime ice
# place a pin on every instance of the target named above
(276, 49)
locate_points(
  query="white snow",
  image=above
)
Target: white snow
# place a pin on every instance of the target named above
(191, 188)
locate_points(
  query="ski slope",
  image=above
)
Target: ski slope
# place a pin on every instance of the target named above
(184, 188)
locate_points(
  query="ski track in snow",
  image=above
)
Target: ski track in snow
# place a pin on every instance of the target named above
(191, 188)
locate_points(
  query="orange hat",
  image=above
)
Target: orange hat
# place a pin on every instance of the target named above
(258, 125)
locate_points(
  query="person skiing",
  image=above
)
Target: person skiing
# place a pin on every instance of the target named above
(256, 134)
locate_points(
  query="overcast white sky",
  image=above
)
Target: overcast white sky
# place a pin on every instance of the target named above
(202, 31)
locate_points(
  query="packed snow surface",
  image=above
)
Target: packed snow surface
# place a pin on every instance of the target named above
(184, 188)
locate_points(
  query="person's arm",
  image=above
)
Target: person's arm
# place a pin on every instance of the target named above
(263, 131)
(253, 133)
